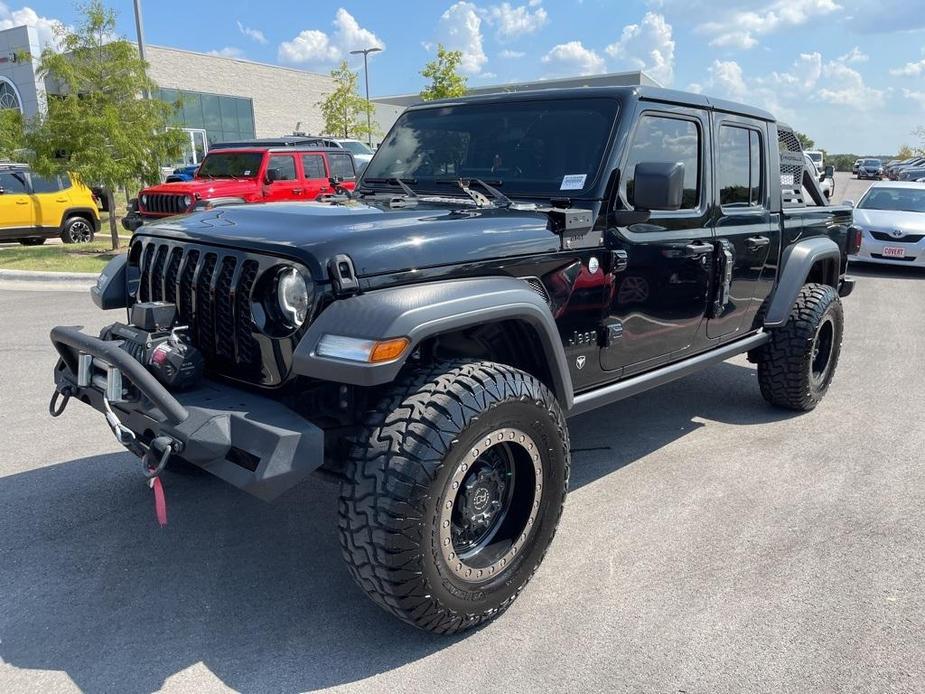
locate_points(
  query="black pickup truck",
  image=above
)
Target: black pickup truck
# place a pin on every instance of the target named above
(506, 261)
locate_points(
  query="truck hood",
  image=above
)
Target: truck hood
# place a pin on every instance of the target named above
(207, 188)
(887, 220)
(377, 238)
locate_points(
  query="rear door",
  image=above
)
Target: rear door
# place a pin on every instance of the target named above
(746, 233)
(658, 301)
(288, 185)
(343, 167)
(51, 199)
(316, 176)
(16, 213)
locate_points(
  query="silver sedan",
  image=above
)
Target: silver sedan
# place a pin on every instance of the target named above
(891, 216)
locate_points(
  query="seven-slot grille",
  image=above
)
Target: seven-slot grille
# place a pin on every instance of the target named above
(211, 288)
(163, 203)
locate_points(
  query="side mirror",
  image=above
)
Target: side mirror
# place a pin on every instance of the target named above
(658, 186)
(271, 175)
(848, 203)
(830, 172)
(335, 180)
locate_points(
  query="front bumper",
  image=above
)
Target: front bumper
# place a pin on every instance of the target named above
(132, 221)
(872, 252)
(256, 444)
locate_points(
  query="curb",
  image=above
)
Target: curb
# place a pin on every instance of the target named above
(77, 279)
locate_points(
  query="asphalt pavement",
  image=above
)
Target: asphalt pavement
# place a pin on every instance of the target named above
(710, 543)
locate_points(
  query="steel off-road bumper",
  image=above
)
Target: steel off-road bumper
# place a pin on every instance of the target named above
(255, 443)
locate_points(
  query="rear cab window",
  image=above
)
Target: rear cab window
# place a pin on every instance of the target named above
(740, 165)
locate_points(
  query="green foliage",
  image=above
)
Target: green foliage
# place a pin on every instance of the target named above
(805, 140)
(443, 73)
(11, 133)
(102, 128)
(345, 111)
(919, 132)
(905, 152)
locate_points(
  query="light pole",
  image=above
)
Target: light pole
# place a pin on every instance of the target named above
(140, 31)
(369, 124)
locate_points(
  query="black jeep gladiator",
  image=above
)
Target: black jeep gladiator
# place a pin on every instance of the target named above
(506, 261)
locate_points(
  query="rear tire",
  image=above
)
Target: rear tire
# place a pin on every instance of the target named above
(77, 230)
(796, 367)
(453, 493)
(32, 241)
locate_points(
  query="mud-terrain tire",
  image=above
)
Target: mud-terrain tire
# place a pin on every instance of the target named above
(468, 457)
(796, 367)
(77, 230)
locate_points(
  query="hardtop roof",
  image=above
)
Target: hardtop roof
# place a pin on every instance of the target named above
(642, 93)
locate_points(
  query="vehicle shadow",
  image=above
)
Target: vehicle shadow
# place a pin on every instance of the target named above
(896, 272)
(258, 593)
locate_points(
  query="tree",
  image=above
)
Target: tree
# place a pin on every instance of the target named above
(443, 73)
(806, 142)
(102, 130)
(11, 133)
(344, 110)
(905, 152)
(919, 132)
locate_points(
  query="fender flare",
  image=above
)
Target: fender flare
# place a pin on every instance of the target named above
(421, 311)
(797, 262)
(81, 212)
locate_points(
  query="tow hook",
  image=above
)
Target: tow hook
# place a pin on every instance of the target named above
(153, 463)
(55, 409)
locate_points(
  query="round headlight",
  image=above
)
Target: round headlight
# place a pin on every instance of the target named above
(187, 201)
(292, 296)
(144, 200)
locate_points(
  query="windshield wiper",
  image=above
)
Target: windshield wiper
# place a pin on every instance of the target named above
(400, 182)
(501, 200)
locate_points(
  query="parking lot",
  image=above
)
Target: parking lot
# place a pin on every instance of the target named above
(709, 543)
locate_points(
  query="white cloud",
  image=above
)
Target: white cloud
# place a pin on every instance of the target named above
(739, 28)
(727, 77)
(572, 58)
(855, 55)
(916, 96)
(647, 46)
(315, 47)
(228, 52)
(845, 86)
(513, 22)
(910, 69)
(251, 33)
(45, 27)
(508, 54)
(460, 29)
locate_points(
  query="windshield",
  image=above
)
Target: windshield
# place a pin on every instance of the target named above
(894, 199)
(815, 156)
(231, 165)
(871, 162)
(355, 147)
(535, 148)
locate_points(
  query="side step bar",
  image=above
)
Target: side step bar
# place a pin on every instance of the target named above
(585, 402)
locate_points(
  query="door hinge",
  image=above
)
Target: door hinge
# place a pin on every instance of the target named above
(619, 260)
(723, 266)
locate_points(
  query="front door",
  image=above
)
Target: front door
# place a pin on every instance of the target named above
(16, 206)
(659, 299)
(288, 185)
(744, 232)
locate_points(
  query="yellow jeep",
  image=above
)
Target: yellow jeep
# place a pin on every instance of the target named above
(34, 208)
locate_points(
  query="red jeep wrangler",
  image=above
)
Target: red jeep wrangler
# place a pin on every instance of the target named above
(245, 175)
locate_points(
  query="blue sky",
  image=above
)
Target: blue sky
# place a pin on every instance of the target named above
(850, 73)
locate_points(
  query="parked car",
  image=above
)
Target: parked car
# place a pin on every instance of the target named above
(911, 173)
(34, 208)
(426, 339)
(891, 217)
(826, 177)
(360, 151)
(183, 173)
(247, 175)
(855, 166)
(870, 168)
(894, 171)
(818, 158)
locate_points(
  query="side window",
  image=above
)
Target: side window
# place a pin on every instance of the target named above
(48, 184)
(313, 166)
(665, 139)
(286, 166)
(739, 167)
(13, 183)
(341, 165)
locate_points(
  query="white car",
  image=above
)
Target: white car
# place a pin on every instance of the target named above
(360, 151)
(891, 216)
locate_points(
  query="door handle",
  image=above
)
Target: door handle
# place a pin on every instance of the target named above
(60, 199)
(697, 248)
(753, 243)
(297, 191)
(22, 202)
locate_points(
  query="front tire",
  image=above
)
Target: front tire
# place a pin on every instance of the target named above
(77, 230)
(453, 493)
(796, 367)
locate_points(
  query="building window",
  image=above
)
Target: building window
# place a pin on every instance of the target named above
(224, 118)
(9, 97)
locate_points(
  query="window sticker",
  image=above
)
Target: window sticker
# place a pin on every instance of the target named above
(247, 172)
(573, 182)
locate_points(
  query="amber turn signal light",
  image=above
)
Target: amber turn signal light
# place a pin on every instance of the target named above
(387, 350)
